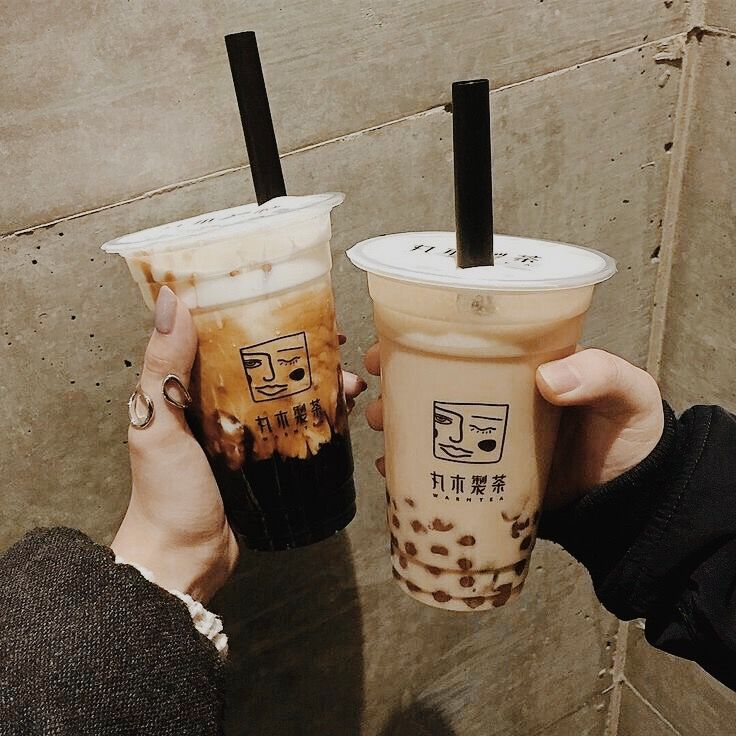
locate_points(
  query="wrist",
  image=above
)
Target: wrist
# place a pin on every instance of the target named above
(600, 528)
(198, 568)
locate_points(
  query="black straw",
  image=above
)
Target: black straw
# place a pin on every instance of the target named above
(255, 115)
(471, 136)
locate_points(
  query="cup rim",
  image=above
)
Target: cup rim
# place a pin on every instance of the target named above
(212, 227)
(482, 278)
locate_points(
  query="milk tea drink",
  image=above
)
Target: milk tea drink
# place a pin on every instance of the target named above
(268, 402)
(469, 439)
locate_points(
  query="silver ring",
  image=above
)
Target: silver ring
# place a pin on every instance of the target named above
(137, 420)
(173, 378)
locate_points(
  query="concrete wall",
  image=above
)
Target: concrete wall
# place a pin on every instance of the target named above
(700, 335)
(720, 14)
(694, 339)
(131, 122)
(139, 93)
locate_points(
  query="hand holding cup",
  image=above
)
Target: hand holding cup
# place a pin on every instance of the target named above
(613, 419)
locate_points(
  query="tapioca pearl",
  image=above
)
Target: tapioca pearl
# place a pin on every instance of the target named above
(436, 571)
(395, 505)
(501, 598)
(441, 597)
(403, 562)
(388, 498)
(412, 587)
(474, 602)
(467, 581)
(395, 521)
(418, 527)
(464, 563)
(395, 573)
(409, 502)
(441, 526)
(438, 549)
(520, 566)
(525, 543)
(410, 548)
(466, 541)
(394, 542)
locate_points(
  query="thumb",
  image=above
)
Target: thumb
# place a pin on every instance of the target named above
(170, 350)
(601, 380)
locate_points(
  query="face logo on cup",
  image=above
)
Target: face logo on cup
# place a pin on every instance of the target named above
(278, 367)
(469, 433)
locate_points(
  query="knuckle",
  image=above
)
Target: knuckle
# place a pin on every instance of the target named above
(373, 415)
(156, 363)
(138, 444)
(648, 388)
(612, 369)
(604, 366)
(159, 439)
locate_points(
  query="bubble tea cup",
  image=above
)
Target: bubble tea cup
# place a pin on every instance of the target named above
(468, 438)
(268, 403)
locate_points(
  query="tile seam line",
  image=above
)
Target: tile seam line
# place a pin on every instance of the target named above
(714, 31)
(652, 708)
(573, 711)
(617, 679)
(670, 238)
(435, 109)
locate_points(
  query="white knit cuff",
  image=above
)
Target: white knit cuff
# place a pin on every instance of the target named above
(206, 622)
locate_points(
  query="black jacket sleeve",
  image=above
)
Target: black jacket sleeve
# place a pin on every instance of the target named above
(89, 647)
(660, 541)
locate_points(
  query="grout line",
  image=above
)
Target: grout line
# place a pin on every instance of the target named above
(610, 55)
(675, 187)
(435, 109)
(652, 708)
(672, 212)
(543, 729)
(618, 677)
(220, 172)
(212, 175)
(714, 31)
(146, 195)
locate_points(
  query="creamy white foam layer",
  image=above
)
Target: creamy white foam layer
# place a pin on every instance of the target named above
(520, 263)
(239, 285)
(238, 254)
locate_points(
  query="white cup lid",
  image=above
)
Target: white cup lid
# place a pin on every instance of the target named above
(520, 264)
(235, 221)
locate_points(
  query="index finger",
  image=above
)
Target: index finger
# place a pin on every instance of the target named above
(372, 360)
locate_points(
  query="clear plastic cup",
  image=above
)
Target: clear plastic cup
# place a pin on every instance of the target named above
(469, 439)
(268, 402)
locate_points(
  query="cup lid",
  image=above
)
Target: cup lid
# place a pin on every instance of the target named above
(520, 264)
(213, 226)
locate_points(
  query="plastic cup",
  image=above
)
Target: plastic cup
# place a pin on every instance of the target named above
(268, 402)
(469, 439)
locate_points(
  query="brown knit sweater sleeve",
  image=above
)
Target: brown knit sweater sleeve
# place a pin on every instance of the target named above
(90, 648)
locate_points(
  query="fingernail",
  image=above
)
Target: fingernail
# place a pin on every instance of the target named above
(164, 315)
(559, 377)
